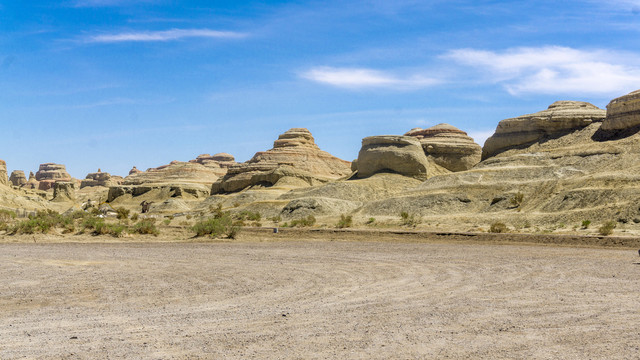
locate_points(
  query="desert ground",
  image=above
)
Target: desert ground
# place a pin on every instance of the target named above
(309, 296)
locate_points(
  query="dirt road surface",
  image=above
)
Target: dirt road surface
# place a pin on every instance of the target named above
(317, 299)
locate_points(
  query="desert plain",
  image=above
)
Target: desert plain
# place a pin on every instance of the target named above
(301, 295)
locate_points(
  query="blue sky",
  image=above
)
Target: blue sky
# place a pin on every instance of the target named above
(112, 83)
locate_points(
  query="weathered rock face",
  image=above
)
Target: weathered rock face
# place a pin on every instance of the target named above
(623, 112)
(18, 178)
(294, 155)
(562, 117)
(4, 179)
(32, 183)
(100, 179)
(64, 191)
(174, 173)
(448, 146)
(221, 162)
(134, 170)
(390, 153)
(49, 174)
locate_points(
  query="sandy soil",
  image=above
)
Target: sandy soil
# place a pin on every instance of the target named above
(286, 298)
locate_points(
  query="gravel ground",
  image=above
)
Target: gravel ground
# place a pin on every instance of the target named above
(317, 299)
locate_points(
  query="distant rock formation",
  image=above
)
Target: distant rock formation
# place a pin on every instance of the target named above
(562, 117)
(4, 179)
(18, 178)
(294, 155)
(64, 191)
(32, 183)
(49, 174)
(221, 161)
(174, 172)
(100, 179)
(448, 146)
(623, 112)
(390, 153)
(134, 171)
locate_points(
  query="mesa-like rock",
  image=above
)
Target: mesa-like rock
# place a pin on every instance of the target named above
(18, 178)
(100, 178)
(390, 153)
(448, 146)
(561, 118)
(49, 173)
(623, 112)
(294, 155)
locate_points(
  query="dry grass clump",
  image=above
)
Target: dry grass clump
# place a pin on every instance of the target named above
(498, 227)
(345, 221)
(220, 224)
(607, 228)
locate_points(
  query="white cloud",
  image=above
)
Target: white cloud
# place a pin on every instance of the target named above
(167, 35)
(554, 69)
(360, 78)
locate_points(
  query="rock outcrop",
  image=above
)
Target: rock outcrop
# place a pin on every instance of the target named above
(18, 178)
(294, 155)
(134, 171)
(4, 179)
(220, 161)
(561, 118)
(64, 191)
(49, 174)
(623, 112)
(173, 173)
(32, 183)
(448, 146)
(390, 153)
(100, 179)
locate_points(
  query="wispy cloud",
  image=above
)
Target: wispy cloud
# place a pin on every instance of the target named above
(362, 78)
(166, 35)
(554, 69)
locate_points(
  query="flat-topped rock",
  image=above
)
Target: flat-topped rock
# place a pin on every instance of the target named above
(294, 155)
(173, 173)
(623, 112)
(49, 173)
(219, 162)
(448, 146)
(562, 117)
(100, 178)
(4, 179)
(18, 178)
(390, 153)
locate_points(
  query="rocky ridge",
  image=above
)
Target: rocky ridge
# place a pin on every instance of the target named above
(448, 146)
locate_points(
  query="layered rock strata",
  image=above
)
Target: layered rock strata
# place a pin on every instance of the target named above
(294, 155)
(64, 191)
(49, 173)
(100, 179)
(561, 118)
(221, 162)
(134, 170)
(390, 153)
(18, 178)
(172, 173)
(623, 112)
(448, 146)
(4, 179)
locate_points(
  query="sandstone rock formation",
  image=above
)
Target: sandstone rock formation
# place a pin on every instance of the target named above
(221, 161)
(623, 112)
(561, 118)
(134, 170)
(448, 146)
(64, 191)
(18, 178)
(49, 174)
(100, 179)
(172, 173)
(32, 183)
(294, 155)
(4, 179)
(390, 153)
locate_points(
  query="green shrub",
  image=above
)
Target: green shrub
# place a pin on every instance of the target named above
(585, 224)
(216, 227)
(134, 217)
(408, 219)
(304, 222)
(167, 221)
(7, 215)
(42, 222)
(607, 228)
(345, 221)
(122, 213)
(146, 227)
(498, 227)
(371, 221)
(516, 199)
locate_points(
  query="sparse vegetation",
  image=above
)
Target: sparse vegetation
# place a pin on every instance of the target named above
(585, 224)
(371, 221)
(134, 217)
(304, 222)
(607, 228)
(409, 219)
(122, 213)
(248, 215)
(166, 221)
(345, 221)
(217, 226)
(516, 200)
(498, 227)
(146, 227)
